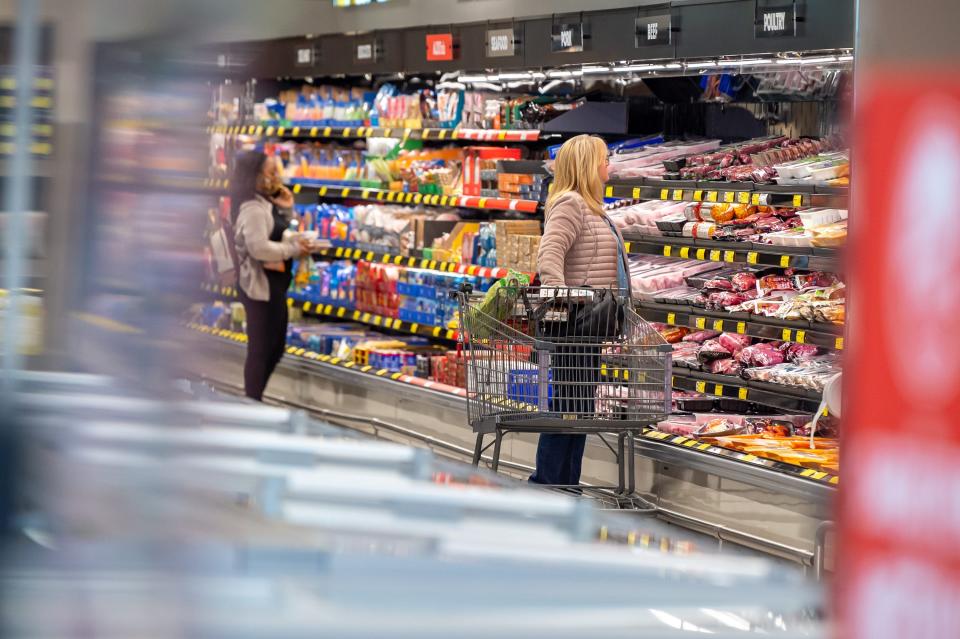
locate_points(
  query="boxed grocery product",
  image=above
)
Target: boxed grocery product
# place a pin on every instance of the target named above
(508, 253)
(477, 159)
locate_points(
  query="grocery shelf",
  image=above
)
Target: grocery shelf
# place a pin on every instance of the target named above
(823, 259)
(335, 311)
(338, 312)
(766, 473)
(354, 253)
(787, 398)
(728, 192)
(360, 132)
(714, 459)
(181, 184)
(336, 362)
(400, 197)
(799, 332)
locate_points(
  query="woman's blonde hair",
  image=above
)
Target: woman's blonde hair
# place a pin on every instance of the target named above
(577, 169)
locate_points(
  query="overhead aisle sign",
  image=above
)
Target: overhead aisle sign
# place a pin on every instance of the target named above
(501, 43)
(899, 560)
(566, 38)
(653, 30)
(439, 47)
(775, 19)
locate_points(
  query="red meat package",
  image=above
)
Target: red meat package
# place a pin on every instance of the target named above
(816, 279)
(768, 426)
(760, 355)
(712, 350)
(719, 301)
(718, 285)
(701, 336)
(734, 342)
(725, 367)
(799, 352)
(743, 281)
(775, 283)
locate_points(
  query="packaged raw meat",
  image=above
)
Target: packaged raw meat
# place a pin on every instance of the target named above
(799, 352)
(676, 295)
(734, 342)
(811, 373)
(723, 300)
(734, 233)
(673, 334)
(743, 281)
(725, 367)
(768, 427)
(675, 426)
(718, 427)
(765, 354)
(712, 350)
(685, 354)
(718, 284)
(700, 336)
(815, 279)
(722, 212)
(775, 283)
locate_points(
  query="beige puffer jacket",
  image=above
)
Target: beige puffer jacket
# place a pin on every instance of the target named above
(578, 247)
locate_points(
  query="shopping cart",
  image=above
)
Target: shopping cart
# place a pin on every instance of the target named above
(562, 360)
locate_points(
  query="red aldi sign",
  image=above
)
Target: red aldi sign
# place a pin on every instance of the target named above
(439, 47)
(899, 560)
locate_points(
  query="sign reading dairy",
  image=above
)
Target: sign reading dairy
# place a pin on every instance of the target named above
(439, 47)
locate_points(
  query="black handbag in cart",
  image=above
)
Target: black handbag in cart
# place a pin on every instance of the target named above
(576, 313)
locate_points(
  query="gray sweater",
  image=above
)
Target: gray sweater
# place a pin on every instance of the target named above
(254, 247)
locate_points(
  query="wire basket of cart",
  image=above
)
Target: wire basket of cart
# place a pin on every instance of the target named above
(561, 360)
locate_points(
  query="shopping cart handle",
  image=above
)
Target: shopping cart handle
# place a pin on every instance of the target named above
(566, 293)
(540, 345)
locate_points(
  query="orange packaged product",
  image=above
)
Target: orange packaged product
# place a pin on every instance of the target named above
(806, 459)
(722, 212)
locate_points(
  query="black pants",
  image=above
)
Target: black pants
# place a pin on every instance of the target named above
(575, 374)
(266, 334)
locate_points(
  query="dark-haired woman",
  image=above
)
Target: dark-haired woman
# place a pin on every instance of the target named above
(261, 210)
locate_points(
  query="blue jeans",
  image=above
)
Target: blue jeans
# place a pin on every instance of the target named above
(575, 374)
(559, 458)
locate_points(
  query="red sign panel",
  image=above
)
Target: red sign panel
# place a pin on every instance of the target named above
(440, 46)
(899, 560)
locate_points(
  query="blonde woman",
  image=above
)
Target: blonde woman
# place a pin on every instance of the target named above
(580, 248)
